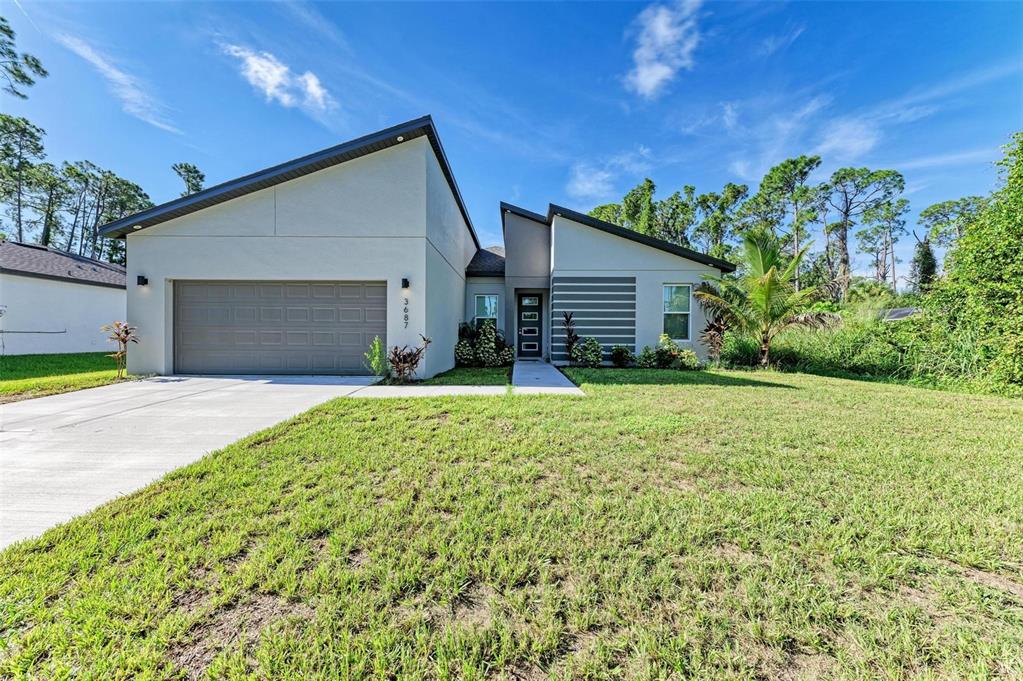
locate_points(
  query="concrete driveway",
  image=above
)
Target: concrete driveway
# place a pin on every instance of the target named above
(64, 455)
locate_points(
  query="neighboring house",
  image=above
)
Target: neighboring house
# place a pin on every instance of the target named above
(296, 268)
(52, 301)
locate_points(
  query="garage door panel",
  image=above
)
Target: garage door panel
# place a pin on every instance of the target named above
(318, 327)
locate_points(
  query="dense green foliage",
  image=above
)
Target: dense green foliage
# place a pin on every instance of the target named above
(968, 329)
(482, 346)
(712, 525)
(588, 352)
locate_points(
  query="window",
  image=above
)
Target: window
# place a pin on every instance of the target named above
(676, 311)
(530, 316)
(530, 301)
(486, 308)
(530, 347)
(529, 331)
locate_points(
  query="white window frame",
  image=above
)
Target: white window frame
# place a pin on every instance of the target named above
(689, 315)
(475, 307)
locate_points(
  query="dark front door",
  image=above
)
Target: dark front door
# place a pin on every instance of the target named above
(530, 323)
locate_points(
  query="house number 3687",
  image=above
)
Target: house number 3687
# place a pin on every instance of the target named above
(405, 310)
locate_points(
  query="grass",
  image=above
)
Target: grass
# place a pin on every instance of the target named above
(472, 376)
(25, 376)
(670, 524)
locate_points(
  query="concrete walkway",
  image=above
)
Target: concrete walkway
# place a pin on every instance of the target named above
(540, 377)
(64, 455)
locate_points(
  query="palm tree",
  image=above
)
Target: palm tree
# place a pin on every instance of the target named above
(762, 301)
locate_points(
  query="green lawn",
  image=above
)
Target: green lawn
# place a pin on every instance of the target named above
(472, 376)
(24, 376)
(712, 524)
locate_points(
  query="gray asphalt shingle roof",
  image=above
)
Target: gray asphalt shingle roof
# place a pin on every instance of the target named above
(33, 260)
(488, 262)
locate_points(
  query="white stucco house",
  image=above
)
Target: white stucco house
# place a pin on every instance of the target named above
(296, 268)
(54, 302)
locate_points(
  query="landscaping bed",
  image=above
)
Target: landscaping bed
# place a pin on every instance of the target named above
(672, 524)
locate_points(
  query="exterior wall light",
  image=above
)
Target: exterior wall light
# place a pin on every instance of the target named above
(141, 281)
(404, 284)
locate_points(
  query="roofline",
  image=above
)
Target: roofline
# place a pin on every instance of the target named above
(57, 277)
(289, 170)
(644, 239)
(522, 212)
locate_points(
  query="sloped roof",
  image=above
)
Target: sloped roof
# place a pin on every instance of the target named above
(632, 235)
(33, 260)
(488, 262)
(291, 170)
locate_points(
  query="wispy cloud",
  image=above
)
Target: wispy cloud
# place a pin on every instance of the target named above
(778, 42)
(953, 159)
(666, 39)
(135, 99)
(278, 83)
(847, 139)
(596, 181)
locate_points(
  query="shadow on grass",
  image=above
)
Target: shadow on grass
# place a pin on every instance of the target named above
(665, 377)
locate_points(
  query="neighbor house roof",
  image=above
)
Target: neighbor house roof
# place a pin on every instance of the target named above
(33, 260)
(488, 262)
(291, 170)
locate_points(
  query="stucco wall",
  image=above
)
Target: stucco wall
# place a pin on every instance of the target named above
(449, 249)
(361, 220)
(583, 251)
(527, 246)
(74, 311)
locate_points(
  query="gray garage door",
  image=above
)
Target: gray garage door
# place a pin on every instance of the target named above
(276, 327)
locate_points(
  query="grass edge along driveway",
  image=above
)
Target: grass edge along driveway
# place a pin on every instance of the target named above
(714, 524)
(26, 376)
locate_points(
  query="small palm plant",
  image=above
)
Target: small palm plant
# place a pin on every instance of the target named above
(762, 302)
(121, 333)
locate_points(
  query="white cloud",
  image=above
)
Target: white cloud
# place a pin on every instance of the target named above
(847, 139)
(953, 159)
(729, 116)
(774, 43)
(597, 180)
(587, 181)
(667, 37)
(742, 168)
(135, 99)
(276, 81)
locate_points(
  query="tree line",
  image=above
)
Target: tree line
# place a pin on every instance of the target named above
(854, 203)
(60, 205)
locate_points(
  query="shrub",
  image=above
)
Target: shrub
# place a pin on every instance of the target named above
(686, 360)
(571, 337)
(622, 356)
(647, 359)
(482, 347)
(465, 353)
(588, 352)
(121, 333)
(665, 352)
(376, 358)
(404, 360)
(486, 345)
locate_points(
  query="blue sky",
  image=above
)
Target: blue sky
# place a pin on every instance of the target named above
(535, 102)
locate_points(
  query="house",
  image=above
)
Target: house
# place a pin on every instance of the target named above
(52, 301)
(296, 268)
